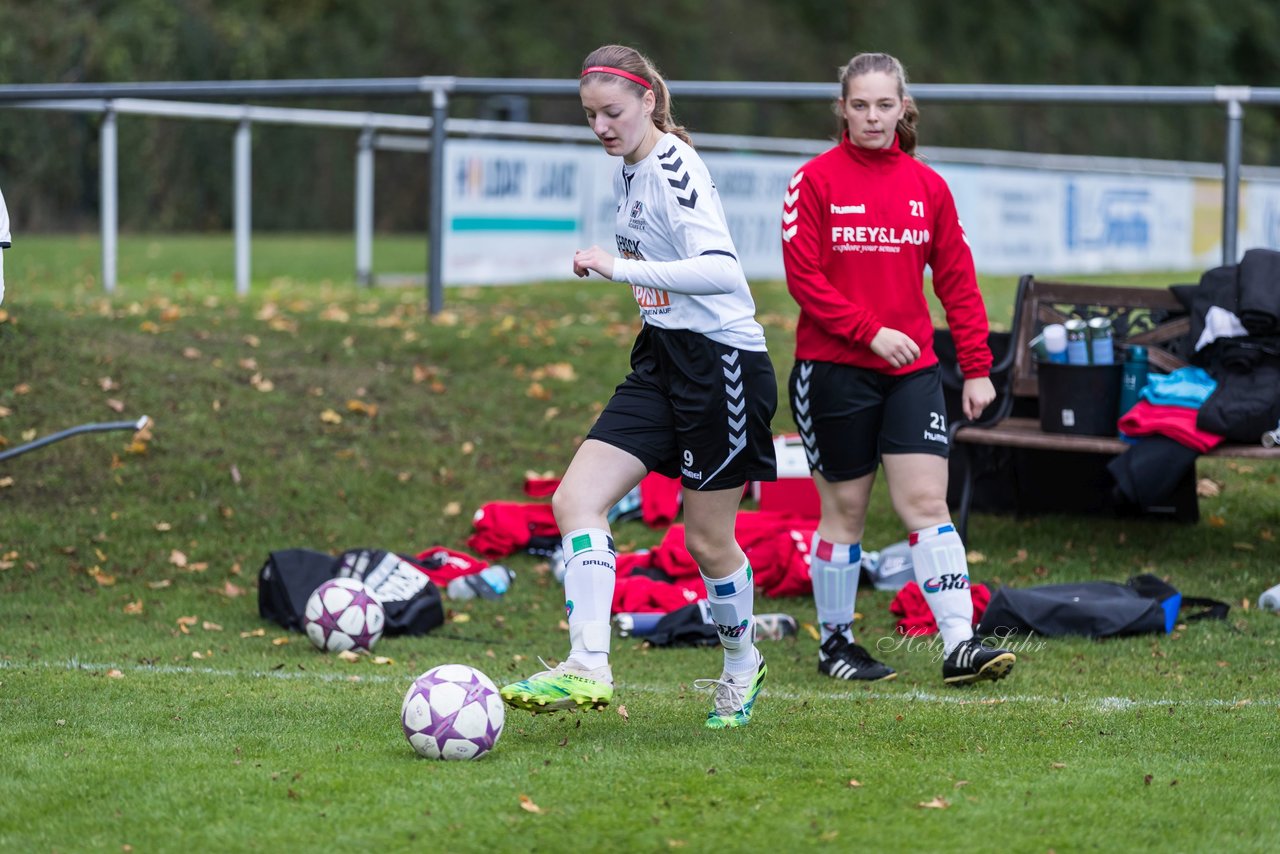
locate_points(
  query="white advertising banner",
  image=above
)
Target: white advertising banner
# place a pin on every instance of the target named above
(516, 212)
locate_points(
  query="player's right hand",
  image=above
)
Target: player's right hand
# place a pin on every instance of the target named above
(895, 347)
(595, 258)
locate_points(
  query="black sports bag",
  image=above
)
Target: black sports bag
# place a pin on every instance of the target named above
(1096, 609)
(412, 602)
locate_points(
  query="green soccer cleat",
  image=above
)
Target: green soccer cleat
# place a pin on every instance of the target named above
(565, 686)
(735, 696)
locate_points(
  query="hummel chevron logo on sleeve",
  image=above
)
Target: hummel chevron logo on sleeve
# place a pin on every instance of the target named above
(789, 211)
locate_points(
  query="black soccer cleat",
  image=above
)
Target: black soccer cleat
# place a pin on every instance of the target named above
(973, 662)
(840, 658)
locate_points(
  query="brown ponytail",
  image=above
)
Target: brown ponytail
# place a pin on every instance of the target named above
(636, 65)
(865, 63)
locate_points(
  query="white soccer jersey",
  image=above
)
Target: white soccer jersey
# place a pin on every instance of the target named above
(669, 210)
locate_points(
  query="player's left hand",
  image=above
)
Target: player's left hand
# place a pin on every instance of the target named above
(595, 258)
(976, 396)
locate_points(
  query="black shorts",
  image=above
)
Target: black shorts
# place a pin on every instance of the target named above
(848, 417)
(694, 409)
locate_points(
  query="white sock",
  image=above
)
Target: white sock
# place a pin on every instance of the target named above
(942, 571)
(835, 569)
(590, 562)
(731, 600)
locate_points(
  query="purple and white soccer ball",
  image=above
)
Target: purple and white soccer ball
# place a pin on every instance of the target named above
(452, 712)
(342, 614)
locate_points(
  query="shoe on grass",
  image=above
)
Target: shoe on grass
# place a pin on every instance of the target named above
(973, 662)
(568, 685)
(735, 695)
(840, 658)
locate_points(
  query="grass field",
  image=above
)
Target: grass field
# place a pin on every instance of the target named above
(147, 707)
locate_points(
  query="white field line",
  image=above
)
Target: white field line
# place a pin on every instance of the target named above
(957, 697)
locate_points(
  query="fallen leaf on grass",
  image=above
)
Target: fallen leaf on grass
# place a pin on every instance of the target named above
(185, 623)
(961, 783)
(254, 633)
(460, 618)
(976, 557)
(561, 371)
(622, 713)
(115, 405)
(103, 578)
(134, 607)
(231, 591)
(361, 408)
(812, 632)
(854, 784)
(191, 353)
(330, 417)
(107, 384)
(280, 641)
(113, 673)
(349, 656)
(935, 804)
(163, 526)
(1216, 521)
(1207, 487)
(6, 482)
(382, 659)
(1146, 779)
(538, 392)
(1057, 765)
(453, 508)
(210, 627)
(527, 804)
(177, 558)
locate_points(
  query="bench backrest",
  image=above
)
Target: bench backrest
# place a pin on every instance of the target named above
(1152, 317)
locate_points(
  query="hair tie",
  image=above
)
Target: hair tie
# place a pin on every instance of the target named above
(618, 72)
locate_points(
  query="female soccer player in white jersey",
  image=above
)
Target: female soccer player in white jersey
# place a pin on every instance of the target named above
(697, 403)
(859, 224)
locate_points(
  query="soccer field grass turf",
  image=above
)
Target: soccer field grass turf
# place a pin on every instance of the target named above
(145, 704)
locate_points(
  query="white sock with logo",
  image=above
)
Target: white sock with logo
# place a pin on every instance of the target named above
(942, 571)
(732, 600)
(590, 562)
(835, 569)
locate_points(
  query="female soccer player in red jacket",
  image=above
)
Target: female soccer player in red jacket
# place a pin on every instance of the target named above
(859, 225)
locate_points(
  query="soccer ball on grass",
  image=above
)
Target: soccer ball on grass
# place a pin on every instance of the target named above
(452, 712)
(342, 614)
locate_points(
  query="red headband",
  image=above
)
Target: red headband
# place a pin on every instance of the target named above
(606, 69)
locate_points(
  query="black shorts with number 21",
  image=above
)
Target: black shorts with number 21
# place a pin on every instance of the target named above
(848, 417)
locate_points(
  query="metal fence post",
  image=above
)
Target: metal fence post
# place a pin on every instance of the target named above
(1231, 172)
(243, 208)
(364, 208)
(435, 213)
(109, 207)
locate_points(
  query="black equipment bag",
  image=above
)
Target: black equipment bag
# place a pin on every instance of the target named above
(412, 602)
(1096, 609)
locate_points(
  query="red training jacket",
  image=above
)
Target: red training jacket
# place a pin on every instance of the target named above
(858, 227)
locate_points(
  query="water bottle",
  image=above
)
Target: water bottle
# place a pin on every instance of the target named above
(1055, 343)
(1134, 378)
(1101, 345)
(489, 583)
(637, 623)
(1077, 341)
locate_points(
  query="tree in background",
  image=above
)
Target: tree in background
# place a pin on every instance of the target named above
(177, 173)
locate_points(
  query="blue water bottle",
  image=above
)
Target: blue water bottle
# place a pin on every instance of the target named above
(1134, 378)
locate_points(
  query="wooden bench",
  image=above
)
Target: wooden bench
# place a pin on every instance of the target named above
(1152, 317)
